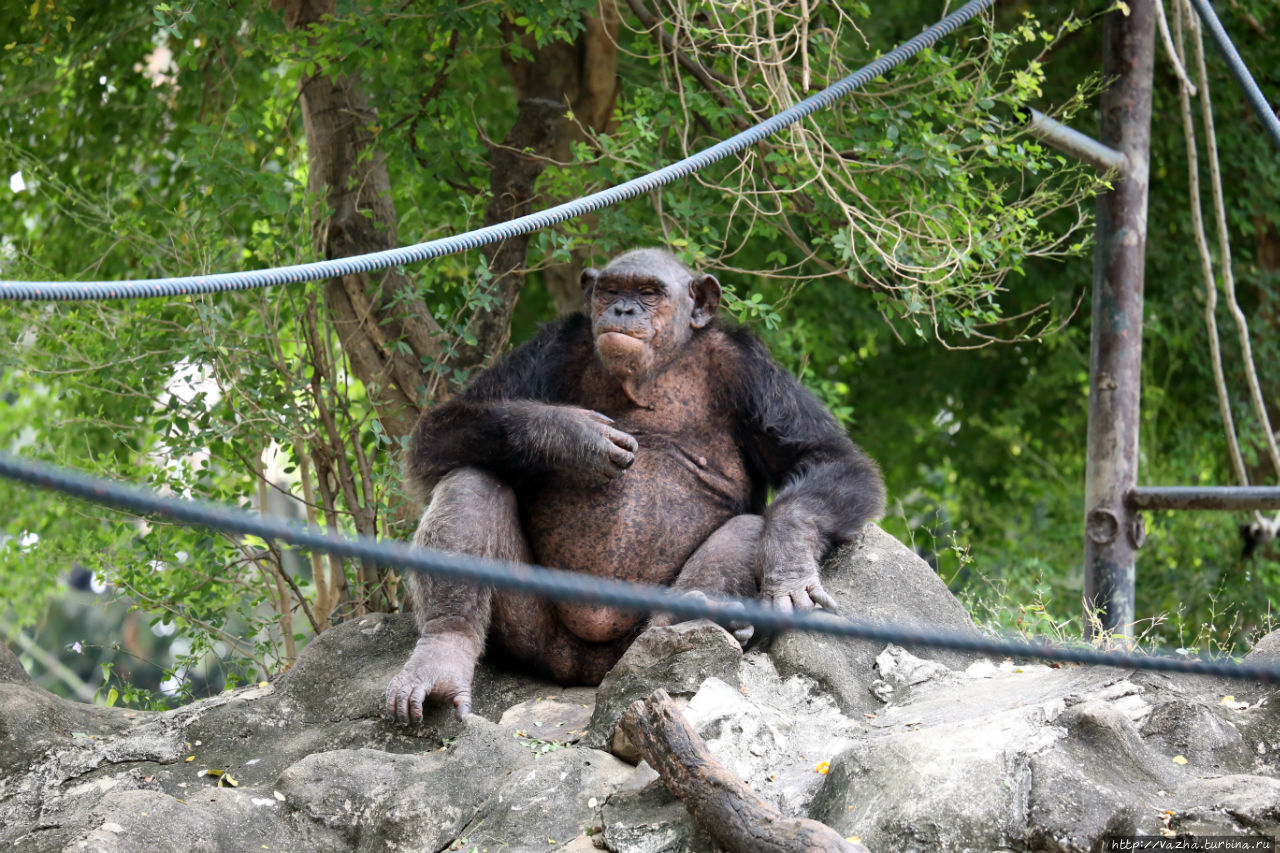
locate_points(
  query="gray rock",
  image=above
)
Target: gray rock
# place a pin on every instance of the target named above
(677, 658)
(903, 669)
(332, 699)
(1268, 648)
(33, 721)
(1099, 779)
(213, 820)
(548, 802)
(772, 732)
(962, 767)
(373, 800)
(1230, 805)
(650, 820)
(969, 754)
(561, 716)
(1201, 732)
(878, 580)
(11, 671)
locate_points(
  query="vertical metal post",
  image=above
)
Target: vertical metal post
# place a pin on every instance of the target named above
(1113, 531)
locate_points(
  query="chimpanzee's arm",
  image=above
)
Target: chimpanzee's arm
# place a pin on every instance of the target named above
(826, 487)
(513, 419)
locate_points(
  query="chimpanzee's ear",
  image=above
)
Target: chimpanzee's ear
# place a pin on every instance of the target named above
(705, 290)
(588, 280)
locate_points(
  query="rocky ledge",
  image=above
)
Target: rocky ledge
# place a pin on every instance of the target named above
(900, 750)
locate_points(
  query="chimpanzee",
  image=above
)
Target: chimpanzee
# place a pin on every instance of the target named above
(638, 442)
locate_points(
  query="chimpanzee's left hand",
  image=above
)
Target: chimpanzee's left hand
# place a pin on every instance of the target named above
(795, 585)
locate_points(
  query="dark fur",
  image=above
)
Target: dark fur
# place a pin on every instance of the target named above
(717, 426)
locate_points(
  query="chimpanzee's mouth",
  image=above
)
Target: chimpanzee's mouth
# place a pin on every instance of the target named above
(638, 334)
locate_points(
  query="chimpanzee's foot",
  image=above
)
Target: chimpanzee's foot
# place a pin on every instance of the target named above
(741, 630)
(441, 667)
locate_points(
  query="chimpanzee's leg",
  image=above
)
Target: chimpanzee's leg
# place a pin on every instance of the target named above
(727, 564)
(530, 630)
(471, 512)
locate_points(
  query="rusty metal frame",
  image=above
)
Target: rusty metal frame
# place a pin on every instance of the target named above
(1114, 527)
(1204, 497)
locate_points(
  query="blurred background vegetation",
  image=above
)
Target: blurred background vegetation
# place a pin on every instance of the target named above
(920, 262)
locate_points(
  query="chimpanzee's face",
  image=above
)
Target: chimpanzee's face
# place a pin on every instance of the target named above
(644, 307)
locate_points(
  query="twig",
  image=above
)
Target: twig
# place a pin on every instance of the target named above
(1206, 267)
(1224, 252)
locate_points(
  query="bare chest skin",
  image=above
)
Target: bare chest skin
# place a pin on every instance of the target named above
(688, 479)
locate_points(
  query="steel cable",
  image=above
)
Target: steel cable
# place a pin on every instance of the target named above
(569, 586)
(1240, 71)
(337, 267)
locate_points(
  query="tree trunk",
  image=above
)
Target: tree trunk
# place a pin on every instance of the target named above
(370, 311)
(560, 90)
(375, 314)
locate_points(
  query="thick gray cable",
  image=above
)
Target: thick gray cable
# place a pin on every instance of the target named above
(337, 267)
(568, 586)
(1239, 70)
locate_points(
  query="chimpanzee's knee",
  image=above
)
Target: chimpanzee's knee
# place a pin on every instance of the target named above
(473, 512)
(728, 563)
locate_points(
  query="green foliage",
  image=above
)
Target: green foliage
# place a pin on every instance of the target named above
(158, 139)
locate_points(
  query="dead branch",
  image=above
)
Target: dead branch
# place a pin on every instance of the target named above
(717, 799)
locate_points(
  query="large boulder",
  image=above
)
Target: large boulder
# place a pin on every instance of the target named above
(677, 658)
(879, 580)
(906, 750)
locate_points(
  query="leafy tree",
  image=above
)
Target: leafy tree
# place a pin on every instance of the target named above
(178, 138)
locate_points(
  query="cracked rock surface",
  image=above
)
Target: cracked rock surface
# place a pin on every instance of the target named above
(906, 750)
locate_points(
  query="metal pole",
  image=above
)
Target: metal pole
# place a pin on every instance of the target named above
(1205, 497)
(1113, 531)
(1073, 142)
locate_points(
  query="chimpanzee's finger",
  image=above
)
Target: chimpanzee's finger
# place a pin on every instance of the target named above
(462, 704)
(402, 704)
(620, 456)
(622, 439)
(800, 598)
(820, 595)
(416, 698)
(783, 602)
(393, 693)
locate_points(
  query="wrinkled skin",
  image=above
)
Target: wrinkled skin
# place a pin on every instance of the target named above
(638, 443)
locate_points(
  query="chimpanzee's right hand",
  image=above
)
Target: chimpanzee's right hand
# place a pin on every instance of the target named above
(441, 667)
(592, 445)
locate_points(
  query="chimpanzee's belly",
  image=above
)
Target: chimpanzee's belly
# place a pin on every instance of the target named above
(642, 526)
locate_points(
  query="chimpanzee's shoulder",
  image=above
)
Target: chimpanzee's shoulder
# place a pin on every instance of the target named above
(569, 330)
(562, 340)
(729, 345)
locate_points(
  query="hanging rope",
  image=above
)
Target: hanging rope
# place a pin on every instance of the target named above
(1262, 529)
(337, 267)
